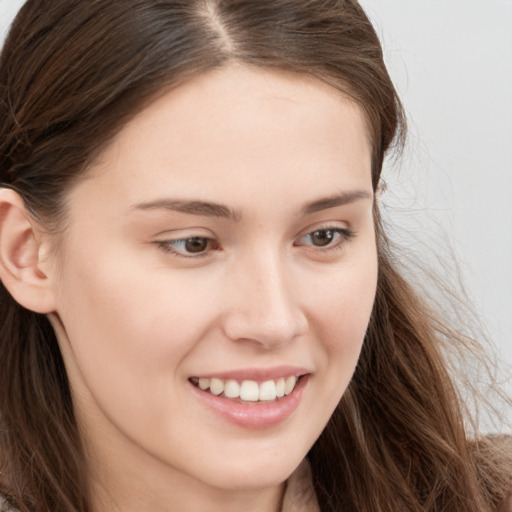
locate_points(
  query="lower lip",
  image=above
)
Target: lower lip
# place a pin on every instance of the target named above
(254, 415)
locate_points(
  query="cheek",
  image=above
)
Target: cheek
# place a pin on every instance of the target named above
(127, 335)
(343, 312)
(344, 306)
(127, 314)
(123, 324)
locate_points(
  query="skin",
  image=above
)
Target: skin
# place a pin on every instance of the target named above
(135, 321)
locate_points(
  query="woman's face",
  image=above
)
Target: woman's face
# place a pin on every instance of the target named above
(224, 239)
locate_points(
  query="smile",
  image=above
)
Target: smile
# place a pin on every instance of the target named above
(252, 398)
(248, 390)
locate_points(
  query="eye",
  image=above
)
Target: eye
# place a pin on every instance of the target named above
(192, 247)
(326, 238)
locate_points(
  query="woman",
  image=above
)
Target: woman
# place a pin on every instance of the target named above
(199, 307)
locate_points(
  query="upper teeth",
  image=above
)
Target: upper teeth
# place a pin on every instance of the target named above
(249, 390)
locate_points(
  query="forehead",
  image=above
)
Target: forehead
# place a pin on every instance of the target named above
(239, 128)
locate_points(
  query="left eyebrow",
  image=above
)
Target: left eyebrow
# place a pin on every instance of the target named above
(336, 200)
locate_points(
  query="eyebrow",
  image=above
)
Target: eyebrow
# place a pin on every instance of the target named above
(202, 208)
(210, 209)
(336, 200)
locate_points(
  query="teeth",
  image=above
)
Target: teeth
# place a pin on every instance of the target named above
(232, 389)
(268, 390)
(249, 390)
(280, 385)
(290, 384)
(204, 383)
(216, 386)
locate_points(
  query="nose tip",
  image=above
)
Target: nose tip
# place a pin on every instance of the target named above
(266, 313)
(271, 331)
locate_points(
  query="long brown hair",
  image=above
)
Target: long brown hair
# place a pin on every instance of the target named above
(72, 73)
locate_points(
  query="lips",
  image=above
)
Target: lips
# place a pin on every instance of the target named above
(254, 399)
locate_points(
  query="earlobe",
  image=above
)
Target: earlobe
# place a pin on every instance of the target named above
(21, 267)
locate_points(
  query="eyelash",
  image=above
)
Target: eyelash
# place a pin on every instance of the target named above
(344, 235)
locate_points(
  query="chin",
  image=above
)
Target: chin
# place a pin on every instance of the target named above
(253, 477)
(251, 471)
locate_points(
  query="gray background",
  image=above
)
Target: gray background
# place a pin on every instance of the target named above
(449, 196)
(452, 63)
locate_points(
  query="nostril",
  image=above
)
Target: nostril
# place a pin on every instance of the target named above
(269, 331)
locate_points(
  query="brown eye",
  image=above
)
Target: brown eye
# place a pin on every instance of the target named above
(328, 238)
(322, 237)
(196, 244)
(193, 247)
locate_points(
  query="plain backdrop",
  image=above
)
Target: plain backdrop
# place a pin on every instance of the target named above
(449, 197)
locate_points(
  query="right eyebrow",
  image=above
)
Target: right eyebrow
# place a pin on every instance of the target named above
(201, 208)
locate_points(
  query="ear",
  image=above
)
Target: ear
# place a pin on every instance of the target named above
(23, 255)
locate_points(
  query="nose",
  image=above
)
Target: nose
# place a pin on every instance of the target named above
(265, 306)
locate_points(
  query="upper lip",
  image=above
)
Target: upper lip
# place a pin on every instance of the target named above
(257, 374)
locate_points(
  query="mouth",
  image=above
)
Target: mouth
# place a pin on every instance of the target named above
(252, 399)
(248, 391)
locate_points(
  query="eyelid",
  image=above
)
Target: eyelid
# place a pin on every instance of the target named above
(184, 233)
(326, 226)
